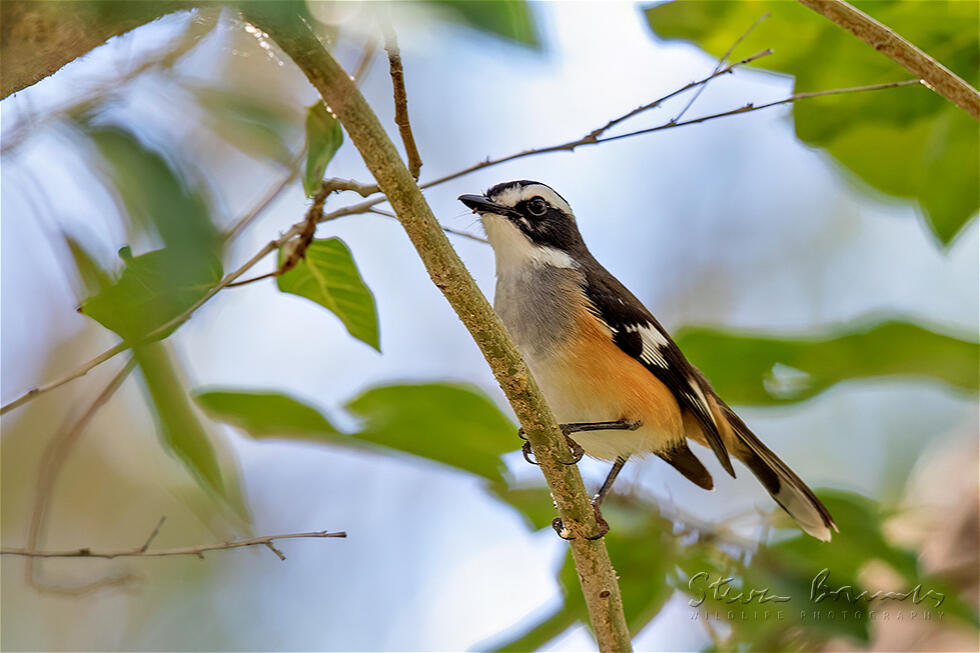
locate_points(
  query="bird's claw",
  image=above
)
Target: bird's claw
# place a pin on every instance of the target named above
(577, 451)
(600, 521)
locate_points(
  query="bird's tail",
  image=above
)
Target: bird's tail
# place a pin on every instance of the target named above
(786, 488)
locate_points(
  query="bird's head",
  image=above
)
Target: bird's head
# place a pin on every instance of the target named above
(527, 222)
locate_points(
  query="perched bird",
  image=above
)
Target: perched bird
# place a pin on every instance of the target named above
(600, 356)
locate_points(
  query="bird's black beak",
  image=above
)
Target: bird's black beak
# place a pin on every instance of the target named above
(481, 204)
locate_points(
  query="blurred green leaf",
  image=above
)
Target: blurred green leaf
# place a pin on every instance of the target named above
(451, 424)
(907, 142)
(328, 276)
(265, 414)
(155, 196)
(323, 138)
(153, 289)
(511, 19)
(180, 429)
(747, 369)
(91, 274)
(259, 126)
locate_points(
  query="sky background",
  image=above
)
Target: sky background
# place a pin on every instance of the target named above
(730, 223)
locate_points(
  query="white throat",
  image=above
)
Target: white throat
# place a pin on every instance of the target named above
(513, 250)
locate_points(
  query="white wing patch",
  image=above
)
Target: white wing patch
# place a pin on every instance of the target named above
(700, 398)
(653, 340)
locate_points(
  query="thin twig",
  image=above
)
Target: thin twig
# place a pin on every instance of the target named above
(52, 461)
(750, 107)
(138, 552)
(33, 393)
(397, 72)
(884, 39)
(295, 248)
(596, 133)
(153, 534)
(721, 62)
(448, 230)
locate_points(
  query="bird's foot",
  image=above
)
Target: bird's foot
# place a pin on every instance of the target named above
(577, 451)
(576, 427)
(600, 521)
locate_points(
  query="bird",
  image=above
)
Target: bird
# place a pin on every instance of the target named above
(608, 369)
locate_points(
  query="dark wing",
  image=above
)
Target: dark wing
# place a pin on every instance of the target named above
(638, 334)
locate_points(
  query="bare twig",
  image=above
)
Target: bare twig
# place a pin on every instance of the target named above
(721, 62)
(53, 459)
(364, 190)
(596, 133)
(296, 247)
(448, 230)
(397, 72)
(884, 39)
(198, 550)
(153, 534)
(749, 108)
(33, 393)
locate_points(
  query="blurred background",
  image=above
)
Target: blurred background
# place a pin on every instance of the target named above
(819, 262)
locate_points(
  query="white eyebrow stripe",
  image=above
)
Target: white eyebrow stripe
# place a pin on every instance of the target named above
(549, 196)
(513, 195)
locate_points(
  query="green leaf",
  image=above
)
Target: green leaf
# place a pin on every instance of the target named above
(328, 276)
(747, 369)
(91, 274)
(510, 19)
(156, 197)
(265, 414)
(153, 289)
(256, 125)
(323, 138)
(451, 424)
(908, 142)
(180, 429)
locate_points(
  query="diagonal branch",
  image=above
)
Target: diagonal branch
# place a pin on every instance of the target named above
(397, 72)
(198, 550)
(893, 45)
(600, 588)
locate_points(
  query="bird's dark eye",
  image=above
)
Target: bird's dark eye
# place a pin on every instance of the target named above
(537, 206)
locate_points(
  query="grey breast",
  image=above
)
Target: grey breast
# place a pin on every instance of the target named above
(537, 305)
